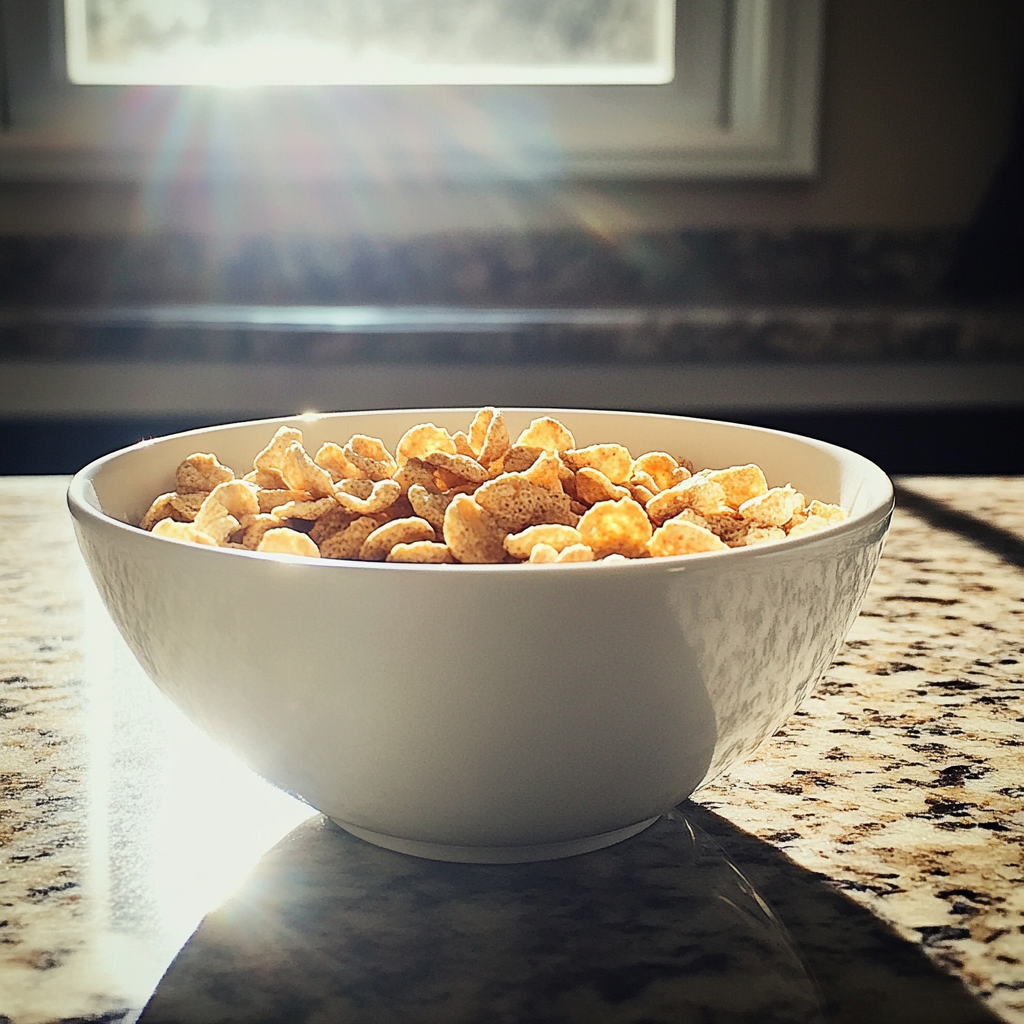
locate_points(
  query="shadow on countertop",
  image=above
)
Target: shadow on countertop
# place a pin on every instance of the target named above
(692, 920)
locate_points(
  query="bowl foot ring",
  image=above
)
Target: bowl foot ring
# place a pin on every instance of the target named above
(496, 854)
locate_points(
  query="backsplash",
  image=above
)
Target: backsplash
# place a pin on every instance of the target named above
(561, 268)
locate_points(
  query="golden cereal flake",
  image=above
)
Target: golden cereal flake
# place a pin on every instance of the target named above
(183, 531)
(346, 542)
(593, 486)
(680, 537)
(809, 524)
(283, 541)
(616, 527)
(740, 483)
(496, 439)
(162, 508)
(370, 457)
(703, 496)
(331, 457)
(330, 522)
(462, 446)
(547, 433)
(398, 531)
(271, 456)
(613, 460)
(774, 508)
(422, 440)
(301, 473)
(543, 554)
(519, 545)
(383, 494)
(830, 513)
(200, 472)
(430, 505)
(416, 472)
(664, 470)
(252, 529)
(575, 553)
(308, 510)
(472, 534)
(271, 498)
(520, 458)
(422, 552)
(518, 502)
(461, 466)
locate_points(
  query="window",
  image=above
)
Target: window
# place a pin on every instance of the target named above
(742, 101)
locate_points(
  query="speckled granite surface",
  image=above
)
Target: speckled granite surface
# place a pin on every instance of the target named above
(883, 826)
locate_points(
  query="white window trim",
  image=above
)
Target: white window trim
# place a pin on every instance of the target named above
(767, 127)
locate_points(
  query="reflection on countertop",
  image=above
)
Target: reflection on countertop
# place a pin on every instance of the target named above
(864, 864)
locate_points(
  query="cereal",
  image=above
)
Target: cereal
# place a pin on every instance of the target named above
(416, 472)
(520, 457)
(546, 433)
(519, 545)
(287, 542)
(548, 471)
(701, 495)
(254, 527)
(331, 522)
(740, 483)
(200, 472)
(575, 553)
(429, 505)
(309, 510)
(398, 531)
(680, 537)
(162, 508)
(542, 554)
(593, 486)
(616, 527)
(472, 533)
(611, 459)
(332, 458)
(370, 457)
(517, 502)
(773, 508)
(271, 498)
(422, 440)
(662, 469)
(461, 466)
(347, 542)
(474, 497)
(423, 552)
(182, 531)
(301, 473)
(382, 494)
(271, 456)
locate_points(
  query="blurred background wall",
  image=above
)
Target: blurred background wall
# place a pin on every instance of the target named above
(897, 265)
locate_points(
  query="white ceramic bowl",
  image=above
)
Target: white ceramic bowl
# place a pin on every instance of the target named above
(487, 713)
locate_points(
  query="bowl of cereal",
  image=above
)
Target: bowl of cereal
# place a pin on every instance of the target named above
(482, 635)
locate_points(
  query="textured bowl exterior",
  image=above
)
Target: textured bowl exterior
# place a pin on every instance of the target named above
(487, 706)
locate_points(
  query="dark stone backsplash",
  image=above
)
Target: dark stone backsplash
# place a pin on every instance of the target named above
(556, 269)
(562, 297)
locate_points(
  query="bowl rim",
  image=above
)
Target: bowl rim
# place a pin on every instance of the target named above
(82, 508)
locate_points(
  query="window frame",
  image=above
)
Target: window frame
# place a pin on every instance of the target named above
(764, 121)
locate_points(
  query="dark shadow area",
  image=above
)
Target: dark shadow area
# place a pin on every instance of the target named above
(961, 442)
(999, 542)
(866, 974)
(329, 928)
(670, 927)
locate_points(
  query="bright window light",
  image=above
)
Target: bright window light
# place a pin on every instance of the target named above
(369, 42)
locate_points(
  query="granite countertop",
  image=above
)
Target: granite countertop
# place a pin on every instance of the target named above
(865, 864)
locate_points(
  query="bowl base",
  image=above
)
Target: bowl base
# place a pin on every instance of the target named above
(496, 854)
